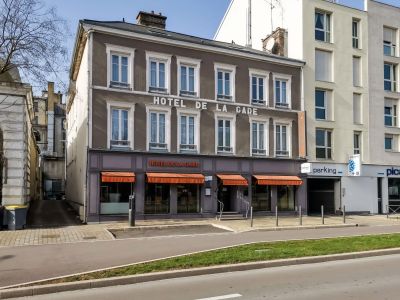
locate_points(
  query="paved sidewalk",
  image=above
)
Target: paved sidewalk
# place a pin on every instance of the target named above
(99, 232)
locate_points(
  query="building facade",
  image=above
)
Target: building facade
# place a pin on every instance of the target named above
(185, 124)
(350, 92)
(49, 122)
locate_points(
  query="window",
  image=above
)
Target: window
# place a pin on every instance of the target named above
(257, 90)
(158, 130)
(357, 142)
(188, 198)
(356, 33)
(188, 76)
(285, 196)
(282, 140)
(323, 143)
(356, 71)
(225, 78)
(261, 197)
(389, 142)
(158, 72)
(120, 66)
(188, 132)
(389, 41)
(120, 125)
(114, 197)
(321, 105)
(281, 94)
(225, 135)
(322, 26)
(357, 109)
(258, 138)
(157, 198)
(390, 77)
(390, 113)
(323, 65)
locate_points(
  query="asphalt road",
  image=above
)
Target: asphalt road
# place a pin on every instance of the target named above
(367, 278)
(31, 263)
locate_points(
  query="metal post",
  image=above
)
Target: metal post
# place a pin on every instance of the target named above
(300, 216)
(251, 216)
(322, 215)
(344, 214)
(387, 212)
(132, 210)
(276, 216)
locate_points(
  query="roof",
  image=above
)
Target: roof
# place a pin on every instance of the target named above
(156, 32)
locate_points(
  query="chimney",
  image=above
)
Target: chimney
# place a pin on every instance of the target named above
(276, 42)
(151, 19)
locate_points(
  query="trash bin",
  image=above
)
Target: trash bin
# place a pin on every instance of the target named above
(16, 216)
(2, 217)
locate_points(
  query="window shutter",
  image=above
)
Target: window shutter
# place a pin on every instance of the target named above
(323, 65)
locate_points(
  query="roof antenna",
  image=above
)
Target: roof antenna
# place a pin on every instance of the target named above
(123, 20)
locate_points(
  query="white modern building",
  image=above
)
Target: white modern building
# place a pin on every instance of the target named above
(348, 112)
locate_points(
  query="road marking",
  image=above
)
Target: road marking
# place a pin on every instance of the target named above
(231, 296)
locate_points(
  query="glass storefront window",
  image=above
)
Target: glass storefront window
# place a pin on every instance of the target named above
(394, 194)
(114, 197)
(188, 198)
(285, 197)
(261, 198)
(157, 199)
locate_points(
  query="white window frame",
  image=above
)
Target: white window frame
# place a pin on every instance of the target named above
(232, 118)
(359, 149)
(395, 142)
(328, 104)
(331, 65)
(393, 76)
(361, 112)
(327, 33)
(325, 146)
(287, 123)
(157, 109)
(266, 135)
(393, 44)
(356, 38)
(393, 105)
(360, 79)
(131, 124)
(193, 63)
(265, 76)
(225, 68)
(196, 115)
(158, 57)
(121, 51)
(288, 79)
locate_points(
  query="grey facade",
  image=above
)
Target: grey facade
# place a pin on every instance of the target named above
(93, 101)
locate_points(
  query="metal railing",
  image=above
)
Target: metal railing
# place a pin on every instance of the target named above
(221, 208)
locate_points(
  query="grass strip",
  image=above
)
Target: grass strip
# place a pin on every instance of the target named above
(249, 253)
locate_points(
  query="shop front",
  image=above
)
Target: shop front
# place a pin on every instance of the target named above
(187, 186)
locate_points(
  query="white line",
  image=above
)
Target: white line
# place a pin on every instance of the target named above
(231, 296)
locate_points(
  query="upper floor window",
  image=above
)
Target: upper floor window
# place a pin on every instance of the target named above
(120, 66)
(357, 109)
(158, 130)
(282, 94)
(282, 140)
(158, 72)
(390, 77)
(225, 82)
(188, 76)
(356, 71)
(258, 87)
(356, 33)
(120, 125)
(389, 41)
(321, 104)
(258, 138)
(357, 142)
(225, 135)
(391, 142)
(188, 139)
(322, 26)
(390, 113)
(323, 142)
(323, 65)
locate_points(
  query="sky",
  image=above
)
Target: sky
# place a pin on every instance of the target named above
(195, 17)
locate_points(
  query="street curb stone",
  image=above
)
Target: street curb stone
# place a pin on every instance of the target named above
(125, 280)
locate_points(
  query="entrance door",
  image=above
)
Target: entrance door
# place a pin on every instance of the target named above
(225, 194)
(321, 192)
(379, 195)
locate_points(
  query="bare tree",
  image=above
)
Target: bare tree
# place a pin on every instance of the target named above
(33, 39)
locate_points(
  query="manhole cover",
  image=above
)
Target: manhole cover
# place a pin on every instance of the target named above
(89, 237)
(50, 236)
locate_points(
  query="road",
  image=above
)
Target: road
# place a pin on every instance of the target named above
(367, 278)
(30, 263)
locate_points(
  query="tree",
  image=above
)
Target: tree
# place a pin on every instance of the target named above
(32, 39)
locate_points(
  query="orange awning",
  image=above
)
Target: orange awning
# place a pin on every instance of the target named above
(117, 177)
(174, 178)
(278, 180)
(232, 179)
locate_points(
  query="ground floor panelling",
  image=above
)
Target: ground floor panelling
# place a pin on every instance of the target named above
(189, 186)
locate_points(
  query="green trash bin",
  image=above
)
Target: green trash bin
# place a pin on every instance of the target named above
(16, 216)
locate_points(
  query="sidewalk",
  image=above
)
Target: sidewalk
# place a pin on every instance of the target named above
(99, 232)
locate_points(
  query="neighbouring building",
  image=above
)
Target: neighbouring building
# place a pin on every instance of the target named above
(187, 125)
(19, 176)
(49, 122)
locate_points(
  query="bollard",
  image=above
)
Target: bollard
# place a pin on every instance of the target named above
(387, 212)
(322, 215)
(276, 216)
(300, 216)
(344, 214)
(131, 211)
(251, 216)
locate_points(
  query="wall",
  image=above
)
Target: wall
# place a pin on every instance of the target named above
(360, 194)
